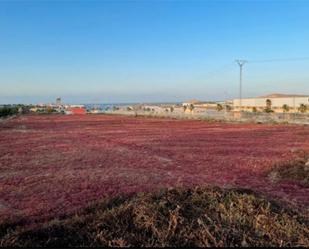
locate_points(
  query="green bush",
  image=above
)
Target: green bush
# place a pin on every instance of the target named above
(8, 111)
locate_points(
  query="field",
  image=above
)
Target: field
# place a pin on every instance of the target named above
(53, 165)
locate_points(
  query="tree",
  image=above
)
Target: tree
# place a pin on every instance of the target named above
(219, 107)
(302, 108)
(171, 108)
(50, 110)
(185, 108)
(268, 103)
(8, 110)
(268, 106)
(228, 108)
(254, 109)
(191, 107)
(285, 108)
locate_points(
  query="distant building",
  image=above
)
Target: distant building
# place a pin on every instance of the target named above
(58, 101)
(191, 102)
(275, 102)
(202, 104)
(76, 110)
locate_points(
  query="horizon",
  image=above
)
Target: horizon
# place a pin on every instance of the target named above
(136, 52)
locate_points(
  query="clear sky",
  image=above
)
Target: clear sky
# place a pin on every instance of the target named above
(138, 51)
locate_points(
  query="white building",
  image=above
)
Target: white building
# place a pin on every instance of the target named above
(273, 101)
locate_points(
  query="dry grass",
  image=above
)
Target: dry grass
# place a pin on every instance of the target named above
(296, 170)
(174, 217)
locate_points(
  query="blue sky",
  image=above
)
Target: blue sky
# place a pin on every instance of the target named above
(148, 51)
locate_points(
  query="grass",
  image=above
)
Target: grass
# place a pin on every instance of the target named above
(296, 170)
(170, 217)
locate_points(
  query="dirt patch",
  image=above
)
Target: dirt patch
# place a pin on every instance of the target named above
(199, 217)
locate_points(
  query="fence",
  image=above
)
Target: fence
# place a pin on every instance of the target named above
(292, 118)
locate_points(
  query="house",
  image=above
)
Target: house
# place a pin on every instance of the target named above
(275, 102)
(191, 102)
(76, 110)
(203, 104)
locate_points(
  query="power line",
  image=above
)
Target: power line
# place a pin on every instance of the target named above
(216, 71)
(279, 60)
(240, 63)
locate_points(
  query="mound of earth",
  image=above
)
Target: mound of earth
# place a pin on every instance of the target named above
(171, 217)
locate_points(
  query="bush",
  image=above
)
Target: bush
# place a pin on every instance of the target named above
(219, 107)
(51, 110)
(8, 111)
(268, 110)
(199, 217)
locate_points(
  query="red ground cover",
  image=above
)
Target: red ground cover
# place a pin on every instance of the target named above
(54, 164)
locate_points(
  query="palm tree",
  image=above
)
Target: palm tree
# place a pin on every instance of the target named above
(285, 108)
(268, 103)
(268, 106)
(219, 107)
(228, 108)
(302, 108)
(191, 107)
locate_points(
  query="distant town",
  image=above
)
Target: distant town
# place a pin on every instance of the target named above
(272, 103)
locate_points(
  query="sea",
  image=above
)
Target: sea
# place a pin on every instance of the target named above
(105, 106)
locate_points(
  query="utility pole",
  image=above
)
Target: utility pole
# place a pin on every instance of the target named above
(240, 64)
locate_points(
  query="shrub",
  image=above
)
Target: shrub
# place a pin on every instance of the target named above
(50, 110)
(8, 111)
(268, 110)
(199, 217)
(219, 107)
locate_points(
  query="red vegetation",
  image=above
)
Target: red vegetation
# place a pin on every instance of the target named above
(54, 164)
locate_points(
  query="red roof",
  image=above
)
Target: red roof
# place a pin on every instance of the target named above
(78, 110)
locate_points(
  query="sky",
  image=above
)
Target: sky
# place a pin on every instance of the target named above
(150, 51)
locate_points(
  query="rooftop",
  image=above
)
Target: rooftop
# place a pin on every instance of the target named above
(280, 95)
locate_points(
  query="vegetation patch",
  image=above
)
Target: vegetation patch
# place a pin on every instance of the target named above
(172, 217)
(295, 170)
